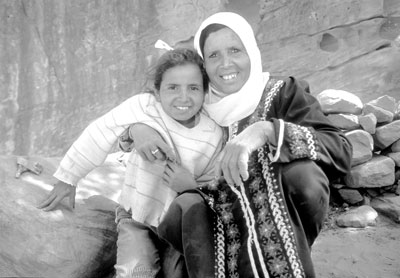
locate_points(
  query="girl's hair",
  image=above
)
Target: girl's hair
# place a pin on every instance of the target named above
(207, 31)
(178, 57)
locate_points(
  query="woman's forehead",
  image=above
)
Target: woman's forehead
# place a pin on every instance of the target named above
(223, 37)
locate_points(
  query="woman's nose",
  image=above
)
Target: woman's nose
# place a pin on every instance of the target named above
(226, 60)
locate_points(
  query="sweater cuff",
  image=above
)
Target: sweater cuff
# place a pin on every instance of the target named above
(67, 177)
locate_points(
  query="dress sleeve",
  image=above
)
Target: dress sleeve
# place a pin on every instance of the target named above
(305, 132)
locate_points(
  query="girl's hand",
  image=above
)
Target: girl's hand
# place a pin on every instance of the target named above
(149, 144)
(125, 143)
(233, 160)
(178, 177)
(59, 192)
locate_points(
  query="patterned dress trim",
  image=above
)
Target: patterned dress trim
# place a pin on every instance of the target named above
(302, 141)
(279, 210)
(264, 210)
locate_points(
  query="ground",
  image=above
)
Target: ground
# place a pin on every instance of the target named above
(371, 252)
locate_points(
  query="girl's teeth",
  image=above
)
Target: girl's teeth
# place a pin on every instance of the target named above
(182, 108)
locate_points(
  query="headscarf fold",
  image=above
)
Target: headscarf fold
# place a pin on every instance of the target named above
(227, 109)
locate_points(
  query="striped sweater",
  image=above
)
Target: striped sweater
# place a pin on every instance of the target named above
(143, 191)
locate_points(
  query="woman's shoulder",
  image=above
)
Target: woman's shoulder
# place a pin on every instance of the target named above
(281, 90)
(289, 83)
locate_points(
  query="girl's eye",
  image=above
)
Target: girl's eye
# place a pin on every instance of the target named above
(171, 87)
(235, 50)
(194, 88)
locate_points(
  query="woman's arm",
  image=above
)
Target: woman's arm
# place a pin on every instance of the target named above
(233, 160)
(308, 133)
(149, 143)
(296, 125)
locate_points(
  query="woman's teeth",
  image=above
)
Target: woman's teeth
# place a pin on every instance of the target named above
(229, 76)
(182, 107)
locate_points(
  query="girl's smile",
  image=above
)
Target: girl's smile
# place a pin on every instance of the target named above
(181, 93)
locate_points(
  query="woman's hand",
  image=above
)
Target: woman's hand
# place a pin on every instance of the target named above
(233, 160)
(178, 178)
(149, 144)
(59, 192)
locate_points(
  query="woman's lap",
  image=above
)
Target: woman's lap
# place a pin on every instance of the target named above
(306, 187)
(188, 224)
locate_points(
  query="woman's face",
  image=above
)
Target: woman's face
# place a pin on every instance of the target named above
(226, 61)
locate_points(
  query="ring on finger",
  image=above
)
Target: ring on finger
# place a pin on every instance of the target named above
(155, 151)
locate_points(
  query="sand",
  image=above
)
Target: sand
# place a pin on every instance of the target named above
(372, 252)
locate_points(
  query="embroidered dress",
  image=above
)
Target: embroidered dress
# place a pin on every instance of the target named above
(257, 230)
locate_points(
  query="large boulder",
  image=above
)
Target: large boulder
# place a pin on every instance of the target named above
(63, 242)
(339, 101)
(363, 145)
(377, 172)
(387, 134)
(64, 63)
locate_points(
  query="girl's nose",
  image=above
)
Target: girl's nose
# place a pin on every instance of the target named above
(183, 94)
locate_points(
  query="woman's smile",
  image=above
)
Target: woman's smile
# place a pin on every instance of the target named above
(229, 76)
(226, 61)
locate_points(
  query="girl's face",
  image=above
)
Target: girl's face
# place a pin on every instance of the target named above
(181, 93)
(226, 61)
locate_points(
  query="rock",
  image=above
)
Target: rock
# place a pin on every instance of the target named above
(397, 175)
(60, 243)
(368, 122)
(387, 134)
(344, 121)
(86, 58)
(397, 114)
(382, 115)
(385, 102)
(397, 192)
(372, 192)
(359, 217)
(339, 101)
(366, 201)
(395, 147)
(396, 158)
(377, 172)
(351, 196)
(363, 145)
(388, 205)
(337, 185)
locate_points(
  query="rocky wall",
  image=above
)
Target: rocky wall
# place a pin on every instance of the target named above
(64, 63)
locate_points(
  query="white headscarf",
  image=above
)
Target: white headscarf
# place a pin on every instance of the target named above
(227, 109)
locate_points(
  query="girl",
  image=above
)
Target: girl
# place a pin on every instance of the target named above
(174, 110)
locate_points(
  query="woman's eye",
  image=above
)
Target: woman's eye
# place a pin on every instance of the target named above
(235, 50)
(171, 87)
(212, 55)
(194, 88)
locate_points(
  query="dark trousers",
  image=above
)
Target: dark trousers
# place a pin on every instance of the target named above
(188, 223)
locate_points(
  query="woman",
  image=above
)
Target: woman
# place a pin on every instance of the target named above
(263, 217)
